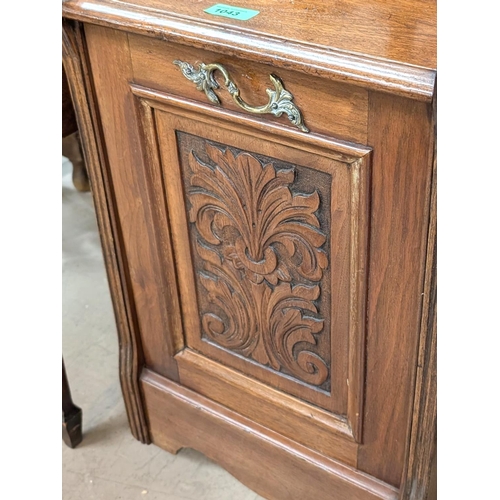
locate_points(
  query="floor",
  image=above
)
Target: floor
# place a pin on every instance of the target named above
(110, 464)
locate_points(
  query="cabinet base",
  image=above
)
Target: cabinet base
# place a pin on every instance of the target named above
(268, 463)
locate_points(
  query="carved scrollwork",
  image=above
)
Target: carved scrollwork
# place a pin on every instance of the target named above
(260, 245)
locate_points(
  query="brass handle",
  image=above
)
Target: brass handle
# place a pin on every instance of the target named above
(280, 100)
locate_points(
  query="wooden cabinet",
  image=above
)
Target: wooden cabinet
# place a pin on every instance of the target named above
(267, 218)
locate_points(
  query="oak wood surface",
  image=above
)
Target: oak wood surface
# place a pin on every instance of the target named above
(395, 30)
(330, 147)
(384, 45)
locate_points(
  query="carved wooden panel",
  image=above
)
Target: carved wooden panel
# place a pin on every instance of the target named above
(269, 238)
(260, 248)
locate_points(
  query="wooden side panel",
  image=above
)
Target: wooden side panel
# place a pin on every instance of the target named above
(148, 251)
(400, 133)
(421, 475)
(265, 461)
(131, 360)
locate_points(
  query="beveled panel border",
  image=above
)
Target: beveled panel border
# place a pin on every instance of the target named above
(305, 423)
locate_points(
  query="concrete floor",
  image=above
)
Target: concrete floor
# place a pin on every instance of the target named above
(110, 464)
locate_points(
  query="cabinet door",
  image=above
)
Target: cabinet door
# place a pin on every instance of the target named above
(244, 247)
(269, 244)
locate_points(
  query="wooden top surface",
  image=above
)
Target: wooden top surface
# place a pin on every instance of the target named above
(399, 30)
(381, 38)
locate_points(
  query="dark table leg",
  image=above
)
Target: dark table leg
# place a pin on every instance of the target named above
(72, 415)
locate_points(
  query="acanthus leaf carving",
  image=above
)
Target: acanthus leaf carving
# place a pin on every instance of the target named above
(260, 245)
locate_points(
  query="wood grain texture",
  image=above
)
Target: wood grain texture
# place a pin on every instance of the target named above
(304, 423)
(265, 461)
(420, 477)
(388, 46)
(328, 108)
(400, 133)
(358, 289)
(330, 147)
(148, 258)
(75, 62)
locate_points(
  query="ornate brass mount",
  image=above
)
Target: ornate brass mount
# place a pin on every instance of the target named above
(280, 100)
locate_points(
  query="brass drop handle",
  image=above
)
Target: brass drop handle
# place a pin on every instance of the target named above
(280, 100)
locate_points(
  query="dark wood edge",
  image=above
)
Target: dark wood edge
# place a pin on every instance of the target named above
(422, 448)
(77, 70)
(376, 74)
(71, 415)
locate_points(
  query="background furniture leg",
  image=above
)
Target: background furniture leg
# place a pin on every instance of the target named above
(72, 415)
(71, 148)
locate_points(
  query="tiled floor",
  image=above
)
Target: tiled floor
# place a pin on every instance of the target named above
(110, 464)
